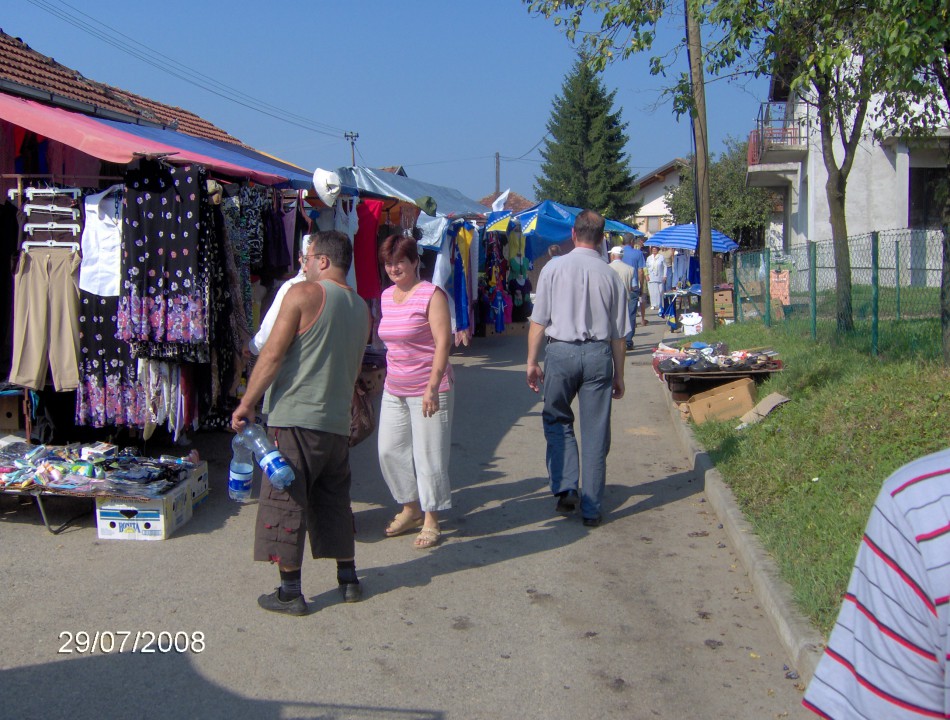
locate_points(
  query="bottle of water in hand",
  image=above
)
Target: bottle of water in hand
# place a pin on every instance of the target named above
(272, 462)
(241, 474)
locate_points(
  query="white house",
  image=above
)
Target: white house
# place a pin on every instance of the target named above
(891, 184)
(651, 190)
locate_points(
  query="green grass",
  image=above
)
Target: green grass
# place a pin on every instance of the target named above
(807, 475)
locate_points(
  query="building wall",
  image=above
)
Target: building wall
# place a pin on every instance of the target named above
(877, 190)
(654, 213)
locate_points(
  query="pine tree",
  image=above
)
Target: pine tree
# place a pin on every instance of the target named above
(584, 160)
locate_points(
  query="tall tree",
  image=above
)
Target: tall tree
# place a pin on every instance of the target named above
(916, 92)
(584, 160)
(815, 46)
(741, 213)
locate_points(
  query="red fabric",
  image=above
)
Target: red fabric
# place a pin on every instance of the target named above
(94, 138)
(366, 263)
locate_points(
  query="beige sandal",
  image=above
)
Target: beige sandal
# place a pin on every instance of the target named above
(402, 524)
(428, 537)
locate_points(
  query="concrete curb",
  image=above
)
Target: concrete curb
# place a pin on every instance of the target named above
(801, 640)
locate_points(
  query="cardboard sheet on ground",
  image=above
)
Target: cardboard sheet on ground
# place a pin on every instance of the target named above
(763, 408)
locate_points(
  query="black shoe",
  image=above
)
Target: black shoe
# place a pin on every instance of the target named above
(272, 602)
(351, 592)
(566, 501)
(629, 346)
(592, 521)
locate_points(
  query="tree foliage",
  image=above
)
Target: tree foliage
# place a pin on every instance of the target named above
(741, 213)
(584, 160)
(916, 92)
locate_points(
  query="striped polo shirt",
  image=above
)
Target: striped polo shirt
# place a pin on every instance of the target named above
(887, 654)
(410, 347)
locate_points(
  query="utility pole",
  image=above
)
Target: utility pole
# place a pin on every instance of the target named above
(497, 172)
(352, 137)
(698, 114)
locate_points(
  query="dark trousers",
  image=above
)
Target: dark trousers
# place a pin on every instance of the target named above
(584, 371)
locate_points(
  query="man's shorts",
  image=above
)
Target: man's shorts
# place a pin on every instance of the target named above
(316, 502)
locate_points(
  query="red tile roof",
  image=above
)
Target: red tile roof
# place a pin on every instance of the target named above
(515, 202)
(57, 84)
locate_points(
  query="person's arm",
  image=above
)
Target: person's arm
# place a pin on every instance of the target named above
(286, 327)
(618, 348)
(535, 343)
(440, 323)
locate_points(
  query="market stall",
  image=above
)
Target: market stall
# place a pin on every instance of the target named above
(134, 498)
(151, 296)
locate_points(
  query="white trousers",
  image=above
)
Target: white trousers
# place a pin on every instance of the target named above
(414, 450)
(656, 294)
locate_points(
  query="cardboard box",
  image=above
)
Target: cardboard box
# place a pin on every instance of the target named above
(725, 402)
(98, 451)
(131, 519)
(723, 296)
(11, 415)
(198, 484)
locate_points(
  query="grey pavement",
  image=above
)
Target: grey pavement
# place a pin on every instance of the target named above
(518, 613)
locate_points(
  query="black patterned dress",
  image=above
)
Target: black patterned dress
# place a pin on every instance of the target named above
(163, 305)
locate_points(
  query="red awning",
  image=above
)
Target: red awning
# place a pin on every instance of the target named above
(108, 143)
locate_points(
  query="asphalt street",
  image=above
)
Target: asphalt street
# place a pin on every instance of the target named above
(518, 613)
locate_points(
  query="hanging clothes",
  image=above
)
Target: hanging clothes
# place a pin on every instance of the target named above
(365, 256)
(46, 318)
(109, 393)
(236, 232)
(163, 304)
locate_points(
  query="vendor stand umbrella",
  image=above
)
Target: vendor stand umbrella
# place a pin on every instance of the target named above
(686, 237)
(550, 222)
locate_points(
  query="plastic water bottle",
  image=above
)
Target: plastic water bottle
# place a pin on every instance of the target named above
(272, 462)
(241, 475)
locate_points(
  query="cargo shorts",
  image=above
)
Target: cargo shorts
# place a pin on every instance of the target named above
(317, 502)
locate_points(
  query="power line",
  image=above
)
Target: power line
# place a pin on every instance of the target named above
(194, 77)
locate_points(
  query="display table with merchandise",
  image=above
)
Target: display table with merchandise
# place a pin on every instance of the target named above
(135, 498)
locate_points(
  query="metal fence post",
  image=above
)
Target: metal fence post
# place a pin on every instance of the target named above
(875, 288)
(897, 275)
(767, 263)
(736, 294)
(812, 286)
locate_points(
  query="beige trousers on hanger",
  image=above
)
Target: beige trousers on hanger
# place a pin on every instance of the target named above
(46, 318)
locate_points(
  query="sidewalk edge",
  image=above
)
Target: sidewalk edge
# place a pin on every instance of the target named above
(802, 642)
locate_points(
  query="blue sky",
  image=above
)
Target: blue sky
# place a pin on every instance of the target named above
(434, 85)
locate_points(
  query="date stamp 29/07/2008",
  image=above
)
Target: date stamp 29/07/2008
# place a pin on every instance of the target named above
(135, 641)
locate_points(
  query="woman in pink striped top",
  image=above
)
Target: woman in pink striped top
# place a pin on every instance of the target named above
(415, 422)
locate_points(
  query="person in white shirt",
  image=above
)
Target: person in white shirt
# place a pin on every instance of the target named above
(656, 276)
(255, 344)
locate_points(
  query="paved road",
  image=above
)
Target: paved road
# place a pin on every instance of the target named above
(519, 613)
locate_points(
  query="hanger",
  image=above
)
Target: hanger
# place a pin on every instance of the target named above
(74, 228)
(49, 243)
(52, 210)
(32, 192)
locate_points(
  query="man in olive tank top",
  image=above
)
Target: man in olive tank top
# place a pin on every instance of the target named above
(308, 368)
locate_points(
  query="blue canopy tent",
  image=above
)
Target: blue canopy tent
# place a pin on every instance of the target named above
(551, 222)
(686, 237)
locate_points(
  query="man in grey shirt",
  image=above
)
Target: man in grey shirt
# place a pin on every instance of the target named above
(580, 312)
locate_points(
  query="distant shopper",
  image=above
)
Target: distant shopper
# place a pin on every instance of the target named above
(656, 275)
(580, 319)
(668, 256)
(415, 420)
(887, 654)
(630, 283)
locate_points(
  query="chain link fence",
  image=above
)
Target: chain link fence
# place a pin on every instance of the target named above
(895, 287)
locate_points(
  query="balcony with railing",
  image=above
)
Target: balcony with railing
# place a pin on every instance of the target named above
(780, 135)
